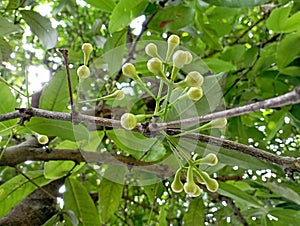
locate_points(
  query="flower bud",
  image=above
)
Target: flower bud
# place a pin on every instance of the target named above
(189, 57)
(210, 159)
(197, 191)
(190, 187)
(154, 65)
(83, 72)
(117, 95)
(179, 59)
(42, 139)
(177, 185)
(212, 185)
(151, 50)
(128, 121)
(173, 41)
(129, 70)
(194, 79)
(218, 123)
(87, 48)
(195, 93)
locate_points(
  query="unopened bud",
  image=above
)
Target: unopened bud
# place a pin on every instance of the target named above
(151, 50)
(87, 48)
(189, 57)
(128, 121)
(218, 123)
(194, 79)
(195, 93)
(212, 185)
(173, 41)
(42, 139)
(210, 159)
(129, 70)
(177, 185)
(83, 72)
(179, 59)
(154, 65)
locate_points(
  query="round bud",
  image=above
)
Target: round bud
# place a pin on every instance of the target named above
(194, 79)
(87, 48)
(189, 57)
(154, 65)
(195, 93)
(129, 70)
(179, 58)
(83, 72)
(212, 185)
(218, 123)
(151, 50)
(128, 121)
(177, 185)
(42, 139)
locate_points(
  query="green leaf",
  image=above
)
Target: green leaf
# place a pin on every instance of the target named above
(195, 213)
(8, 104)
(284, 192)
(62, 129)
(5, 50)
(57, 169)
(7, 27)
(236, 3)
(288, 49)
(162, 220)
(217, 65)
(110, 194)
(172, 18)
(41, 26)
(55, 96)
(77, 199)
(124, 13)
(284, 217)
(13, 4)
(238, 195)
(16, 189)
(279, 20)
(104, 5)
(151, 149)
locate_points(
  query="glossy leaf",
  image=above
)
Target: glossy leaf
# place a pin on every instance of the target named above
(55, 96)
(124, 12)
(7, 27)
(77, 199)
(236, 3)
(104, 5)
(41, 26)
(195, 213)
(16, 189)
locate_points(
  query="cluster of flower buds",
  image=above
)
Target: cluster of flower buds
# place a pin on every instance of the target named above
(194, 175)
(83, 71)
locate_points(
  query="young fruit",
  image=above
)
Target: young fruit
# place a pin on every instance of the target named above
(151, 50)
(197, 191)
(195, 93)
(194, 79)
(177, 185)
(83, 72)
(128, 121)
(129, 70)
(42, 139)
(210, 159)
(212, 185)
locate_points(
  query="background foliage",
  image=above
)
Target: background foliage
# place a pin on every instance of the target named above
(255, 43)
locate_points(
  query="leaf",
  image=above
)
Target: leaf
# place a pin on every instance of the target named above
(124, 13)
(62, 129)
(7, 27)
(77, 199)
(236, 3)
(5, 50)
(8, 104)
(110, 194)
(288, 49)
(217, 65)
(284, 217)
(41, 26)
(195, 213)
(16, 189)
(55, 95)
(238, 195)
(172, 18)
(104, 5)
(57, 169)
(137, 145)
(284, 192)
(279, 20)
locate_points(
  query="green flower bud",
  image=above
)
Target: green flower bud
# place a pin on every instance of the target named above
(218, 123)
(42, 139)
(117, 95)
(83, 72)
(151, 50)
(210, 159)
(128, 121)
(155, 66)
(179, 58)
(189, 57)
(129, 70)
(212, 185)
(173, 41)
(197, 191)
(190, 188)
(177, 185)
(87, 48)
(194, 79)
(195, 93)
